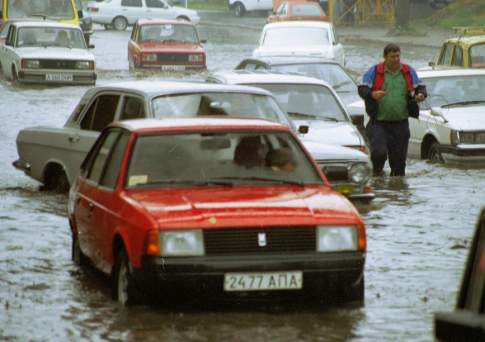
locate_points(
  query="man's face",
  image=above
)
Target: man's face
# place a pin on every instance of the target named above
(393, 60)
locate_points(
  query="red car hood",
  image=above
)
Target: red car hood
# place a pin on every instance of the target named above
(158, 47)
(245, 206)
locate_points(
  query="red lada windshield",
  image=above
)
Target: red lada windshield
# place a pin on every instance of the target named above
(219, 158)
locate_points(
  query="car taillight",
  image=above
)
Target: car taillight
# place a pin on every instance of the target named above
(93, 9)
(152, 243)
(361, 148)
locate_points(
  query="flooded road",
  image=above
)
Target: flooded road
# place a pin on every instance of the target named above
(418, 228)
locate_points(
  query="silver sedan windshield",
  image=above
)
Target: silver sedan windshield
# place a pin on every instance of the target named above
(306, 101)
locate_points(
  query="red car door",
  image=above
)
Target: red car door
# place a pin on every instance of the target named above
(98, 193)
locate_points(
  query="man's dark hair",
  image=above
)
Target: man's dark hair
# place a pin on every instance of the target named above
(391, 48)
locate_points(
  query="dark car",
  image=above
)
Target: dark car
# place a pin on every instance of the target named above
(467, 322)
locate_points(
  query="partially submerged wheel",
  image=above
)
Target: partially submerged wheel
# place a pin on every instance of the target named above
(239, 9)
(123, 289)
(434, 154)
(76, 254)
(120, 23)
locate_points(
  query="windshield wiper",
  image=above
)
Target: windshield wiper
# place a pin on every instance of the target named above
(265, 179)
(187, 182)
(463, 103)
(303, 114)
(313, 116)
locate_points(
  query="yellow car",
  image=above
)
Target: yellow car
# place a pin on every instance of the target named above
(60, 10)
(467, 50)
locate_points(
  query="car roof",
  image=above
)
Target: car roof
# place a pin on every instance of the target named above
(146, 21)
(291, 59)
(450, 72)
(192, 124)
(246, 76)
(44, 23)
(298, 23)
(156, 88)
(467, 40)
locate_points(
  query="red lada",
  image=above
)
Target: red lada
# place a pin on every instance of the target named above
(167, 45)
(220, 206)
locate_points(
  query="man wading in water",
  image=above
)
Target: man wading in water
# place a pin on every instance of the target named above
(391, 91)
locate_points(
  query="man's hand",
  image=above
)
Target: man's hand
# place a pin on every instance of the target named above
(419, 97)
(378, 94)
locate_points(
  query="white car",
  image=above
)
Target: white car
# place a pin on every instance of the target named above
(240, 7)
(310, 103)
(46, 52)
(300, 38)
(121, 13)
(53, 155)
(451, 124)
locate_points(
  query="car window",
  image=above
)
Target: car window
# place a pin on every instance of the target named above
(101, 156)
(131, 3)
(161, 32)
(306, 9)
(477, 56)
(452, 89)
(10, 36)
(304, 101)
(458, 56)
(56, 9)
(235, 157)
(447, 54)
(331, 73)
(154, 3)
(206, 104)
(101, 113)
(283, 36)
(282, 9)
(132, 108)
(113, 165)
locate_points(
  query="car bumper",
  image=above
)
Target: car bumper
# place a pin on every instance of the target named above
(323, 273)
(22, 165)
(63, 76)
(463, 154)
(172, 67)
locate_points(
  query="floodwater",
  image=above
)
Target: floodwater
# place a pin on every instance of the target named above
(419, 229)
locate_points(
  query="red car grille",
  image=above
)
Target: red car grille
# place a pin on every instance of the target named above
(167, 58)
(259, 240)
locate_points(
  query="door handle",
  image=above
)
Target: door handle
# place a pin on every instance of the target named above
(73, 138)
(91, 206)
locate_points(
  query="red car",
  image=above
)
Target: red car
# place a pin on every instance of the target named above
(167, 45)
(220, 206)
(298, 10)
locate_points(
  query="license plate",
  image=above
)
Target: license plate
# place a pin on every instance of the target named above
(59, 77)
(292, 280)
(173, 67)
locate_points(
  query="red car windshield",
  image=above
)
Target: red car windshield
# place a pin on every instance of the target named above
(219, 158)
(169, 32)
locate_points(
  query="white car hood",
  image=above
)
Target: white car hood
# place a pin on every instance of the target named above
(55, 53)
(306, 50)
(324, 152)
(467, 118)
(333, 133)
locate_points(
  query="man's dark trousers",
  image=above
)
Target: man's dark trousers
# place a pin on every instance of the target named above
(388, 139)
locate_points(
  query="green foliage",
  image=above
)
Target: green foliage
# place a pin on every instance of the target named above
(221, 5)
(460, 13)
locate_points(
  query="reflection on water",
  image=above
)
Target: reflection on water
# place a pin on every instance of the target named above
(419, 228)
